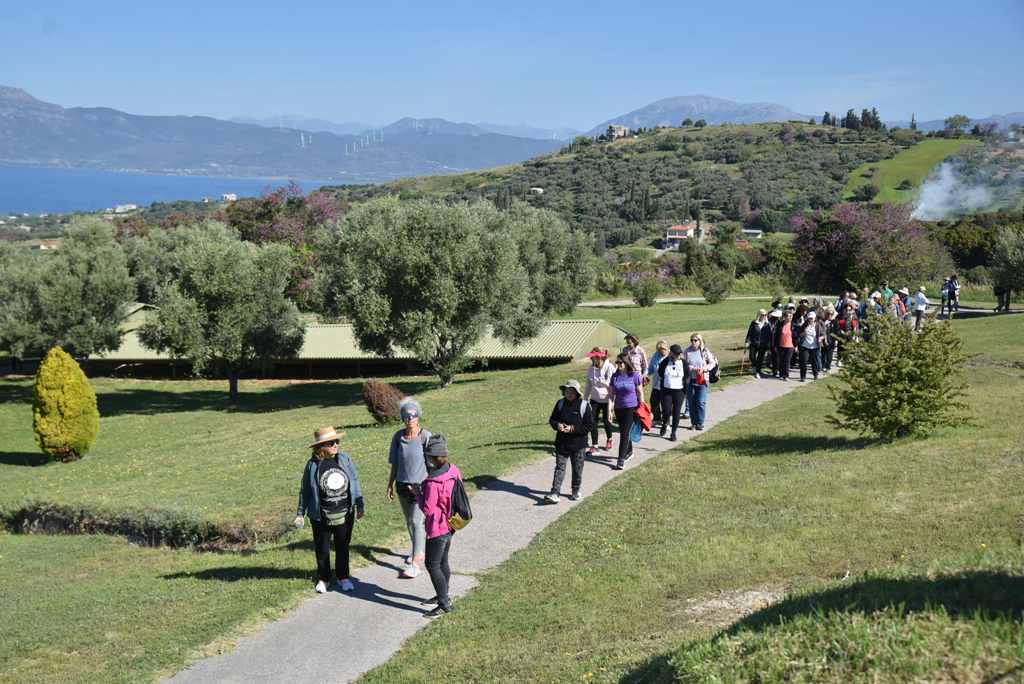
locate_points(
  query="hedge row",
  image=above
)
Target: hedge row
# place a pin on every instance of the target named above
(175, 529)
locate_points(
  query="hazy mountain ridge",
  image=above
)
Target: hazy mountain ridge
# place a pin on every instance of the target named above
(37, 133)
(671, 111)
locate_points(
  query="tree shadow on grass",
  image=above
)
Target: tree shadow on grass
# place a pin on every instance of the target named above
(23, 458)
(756, 446)
(235, 574)
(523, 445)
(15, 392)
(961, 596)
(135, 400)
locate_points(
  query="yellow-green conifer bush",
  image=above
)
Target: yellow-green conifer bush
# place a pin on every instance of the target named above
(64, 414)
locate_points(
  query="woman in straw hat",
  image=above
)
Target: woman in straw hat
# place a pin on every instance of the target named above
(332, 498)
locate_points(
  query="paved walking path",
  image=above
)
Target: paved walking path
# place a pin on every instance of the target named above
(337, 637)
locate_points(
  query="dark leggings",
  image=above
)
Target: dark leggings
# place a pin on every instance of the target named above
(600, 417)
(322, 535)
(757, 355)
(437, 567)
(625, 417)
(785, 358)
(672, 402)
(812, 356)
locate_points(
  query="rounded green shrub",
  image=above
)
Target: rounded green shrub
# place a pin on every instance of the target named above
(64, 413)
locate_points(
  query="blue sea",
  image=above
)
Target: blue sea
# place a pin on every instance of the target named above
(61, 191)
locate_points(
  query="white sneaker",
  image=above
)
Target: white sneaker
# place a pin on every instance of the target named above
(321, 587)
(552, 498)
(410, 572)
(346, 585)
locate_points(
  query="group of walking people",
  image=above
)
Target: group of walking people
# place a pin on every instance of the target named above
(678, 379)
(814, 336)
(421, 478)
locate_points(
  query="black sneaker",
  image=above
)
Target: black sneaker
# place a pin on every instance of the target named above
(575, 496)
(672, 438)
(429, 602)
(439, 610)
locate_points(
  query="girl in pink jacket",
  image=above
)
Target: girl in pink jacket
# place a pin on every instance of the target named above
(435, 500)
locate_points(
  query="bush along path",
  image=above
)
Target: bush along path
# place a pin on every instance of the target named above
(337, 637)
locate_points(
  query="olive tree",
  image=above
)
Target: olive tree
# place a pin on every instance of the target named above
(75, 298)
(431, 278)
(225, 306)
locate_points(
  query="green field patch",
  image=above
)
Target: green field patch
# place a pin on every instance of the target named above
(900, 177)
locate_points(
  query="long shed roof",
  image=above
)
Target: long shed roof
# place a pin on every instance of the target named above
(559, 339)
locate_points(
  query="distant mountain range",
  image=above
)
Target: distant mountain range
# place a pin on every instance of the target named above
(672, 110)
(37, 133)
(520, 130)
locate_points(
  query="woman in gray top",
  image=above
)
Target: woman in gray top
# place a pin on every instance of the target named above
(408, 470)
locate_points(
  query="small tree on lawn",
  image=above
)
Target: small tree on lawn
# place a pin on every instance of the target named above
(1008, 260)
(645, 290)
(65, 418)
(715, 282)
(227, 307)
(899, 382)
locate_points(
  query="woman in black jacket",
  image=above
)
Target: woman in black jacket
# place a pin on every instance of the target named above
(758, 341)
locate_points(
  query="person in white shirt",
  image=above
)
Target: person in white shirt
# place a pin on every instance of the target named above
(920, 308)
(599, 375)
(672, 376)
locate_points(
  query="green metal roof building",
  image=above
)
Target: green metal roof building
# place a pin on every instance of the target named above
(330, 350)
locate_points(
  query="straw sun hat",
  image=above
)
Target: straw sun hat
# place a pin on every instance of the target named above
(325, 434)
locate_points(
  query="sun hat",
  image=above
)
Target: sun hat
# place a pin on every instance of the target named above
(676, 349)
(437, 445)
(792, 306)
(325, 434)
(811, 315)
(921, 289)
(597, 353)
(904, 291)
(574, 385)
(776, 313)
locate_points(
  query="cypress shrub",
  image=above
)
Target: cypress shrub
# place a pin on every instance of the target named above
(645, 290)
(382, 400)
(64, 413)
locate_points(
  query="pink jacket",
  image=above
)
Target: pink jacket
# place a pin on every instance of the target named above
(436, 501)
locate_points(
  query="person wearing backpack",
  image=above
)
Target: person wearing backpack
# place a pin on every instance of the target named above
(408, 470)
(572, 420)
(332, 498)
(435, 500)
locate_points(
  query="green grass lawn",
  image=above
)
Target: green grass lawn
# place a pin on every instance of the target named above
(913, 164)
(99, 608)
(637, 582)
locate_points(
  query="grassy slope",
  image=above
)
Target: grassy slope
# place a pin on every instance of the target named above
(110, 610)
(772, 500)
(913, 164)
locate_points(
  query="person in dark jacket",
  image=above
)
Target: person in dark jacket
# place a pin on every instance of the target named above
(332, 498)
(758, 341)
(572, 419)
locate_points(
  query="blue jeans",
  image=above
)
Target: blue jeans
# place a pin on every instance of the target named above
(697, 400)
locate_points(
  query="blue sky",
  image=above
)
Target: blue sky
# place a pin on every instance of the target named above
(545, 63)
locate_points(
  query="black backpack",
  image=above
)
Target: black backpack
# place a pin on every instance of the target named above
(462, 514)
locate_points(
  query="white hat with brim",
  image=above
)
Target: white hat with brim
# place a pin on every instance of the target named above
(574, 385)
(904, 291)
(776, 313)
(325, 434)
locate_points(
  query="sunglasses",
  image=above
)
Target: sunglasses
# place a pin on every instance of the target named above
(334, 443)
(410, 416)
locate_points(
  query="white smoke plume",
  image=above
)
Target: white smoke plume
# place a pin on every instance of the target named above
(946, 193)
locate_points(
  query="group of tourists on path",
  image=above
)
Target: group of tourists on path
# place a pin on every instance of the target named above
(421, 478)
(679, 378)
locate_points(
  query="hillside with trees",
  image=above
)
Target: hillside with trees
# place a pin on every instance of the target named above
(619, 190)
